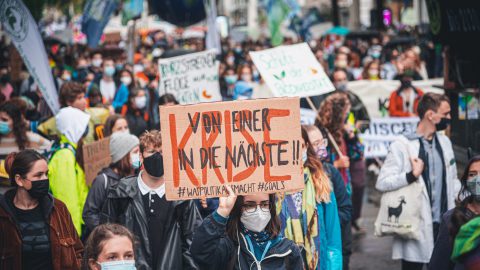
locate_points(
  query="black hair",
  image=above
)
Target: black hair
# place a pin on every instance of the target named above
(21, 163)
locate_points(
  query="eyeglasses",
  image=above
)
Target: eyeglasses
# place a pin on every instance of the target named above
(322, 142)
(252, 207)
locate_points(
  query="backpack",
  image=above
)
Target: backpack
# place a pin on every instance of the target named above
(58, 146)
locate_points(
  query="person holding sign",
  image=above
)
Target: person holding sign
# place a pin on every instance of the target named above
(164, 228)
(310, 217)
(242, 233)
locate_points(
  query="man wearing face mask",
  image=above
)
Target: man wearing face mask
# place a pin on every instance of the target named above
(164, 228)
(107, 85)
(339, 79)
(426, 156)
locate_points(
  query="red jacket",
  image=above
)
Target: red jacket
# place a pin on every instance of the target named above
(396, 104)
(66, 246)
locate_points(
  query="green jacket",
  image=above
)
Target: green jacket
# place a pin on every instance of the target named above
(67, 182)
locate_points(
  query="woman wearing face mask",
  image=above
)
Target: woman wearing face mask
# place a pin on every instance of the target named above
(125, 84)
(228, 83)
(14, 134)
(37, 230)
(371, 71)
(110, 246)
(135, 112)
(315, 210)
(244, 86)
(456, 228)
(244, 233)
(115, 123)
(124, 152)
(65, 167)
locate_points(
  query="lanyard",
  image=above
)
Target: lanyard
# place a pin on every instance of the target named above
(250, 246)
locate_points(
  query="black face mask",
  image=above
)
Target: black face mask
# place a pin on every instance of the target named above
(39, 189)
(154, 164)
(443, 124)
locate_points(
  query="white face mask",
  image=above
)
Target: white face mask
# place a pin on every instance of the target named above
(126, 80)
(118, 265)
(97, 62)
(141, 102)
(256, 221)
(135, 159)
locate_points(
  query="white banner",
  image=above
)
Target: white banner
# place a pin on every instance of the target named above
(383, 131)
(191, 78)
(292, 71)
(22, 29)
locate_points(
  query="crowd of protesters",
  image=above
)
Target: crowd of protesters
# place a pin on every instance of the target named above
(51, 219)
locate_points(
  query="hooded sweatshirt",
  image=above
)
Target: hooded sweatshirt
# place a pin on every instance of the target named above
(67, 178)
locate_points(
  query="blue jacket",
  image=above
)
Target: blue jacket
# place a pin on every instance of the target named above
(121, 97)
(330, 236)
(344, 202)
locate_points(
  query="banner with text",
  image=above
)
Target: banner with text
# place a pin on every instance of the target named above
(292, 71)
(191, 78)
(383, 131)
(96, 156)
(23, 30)
(244, 144)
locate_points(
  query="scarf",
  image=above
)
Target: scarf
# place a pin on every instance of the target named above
(467, 239)
(259, 241)
(302, 227)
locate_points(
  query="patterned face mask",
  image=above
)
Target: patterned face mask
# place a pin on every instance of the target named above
(473, 186)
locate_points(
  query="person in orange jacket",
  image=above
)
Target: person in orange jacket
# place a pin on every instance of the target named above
(404, 101)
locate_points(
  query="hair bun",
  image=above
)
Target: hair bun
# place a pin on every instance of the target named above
(9, 161)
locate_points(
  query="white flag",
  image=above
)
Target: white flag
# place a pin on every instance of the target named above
(23, 30)
(213, 37)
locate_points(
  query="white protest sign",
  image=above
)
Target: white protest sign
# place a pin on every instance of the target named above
(383, 131)
(22, 29)
(292, 71)
(191, 78)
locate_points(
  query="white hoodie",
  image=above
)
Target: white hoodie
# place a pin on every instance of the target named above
(72, 123)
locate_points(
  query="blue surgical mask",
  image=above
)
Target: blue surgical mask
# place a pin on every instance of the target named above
(304, 156)
(4, 128)
(135, 159)
(109, 71)
(118, 265)
(231, 79)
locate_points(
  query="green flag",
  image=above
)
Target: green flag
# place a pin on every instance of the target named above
(277, 11)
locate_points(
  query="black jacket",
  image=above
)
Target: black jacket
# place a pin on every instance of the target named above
(124, 205)
(212, 249)
(344, 203)
(97, 195)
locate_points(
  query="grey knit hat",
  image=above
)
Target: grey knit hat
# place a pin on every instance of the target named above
(121, 143)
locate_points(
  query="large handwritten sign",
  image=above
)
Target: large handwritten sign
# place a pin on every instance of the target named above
(383, 131)
(292, 71)
(252, 145)
(191, 78)
(96, 156)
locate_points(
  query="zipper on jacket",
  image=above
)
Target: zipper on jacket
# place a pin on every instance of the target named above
(259, 263)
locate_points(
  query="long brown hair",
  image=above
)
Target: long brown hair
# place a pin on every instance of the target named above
(123, 167)
(19, 125)
(273, 226)
(96, 240)
(332, 114)
(320, 179)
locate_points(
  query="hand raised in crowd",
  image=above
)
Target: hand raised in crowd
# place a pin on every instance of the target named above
(203, 202)
(225, 204)
(417, 166)
(342, 162)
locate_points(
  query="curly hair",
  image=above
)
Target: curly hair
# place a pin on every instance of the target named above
(19, 125)
(321, 182)
(332, 114)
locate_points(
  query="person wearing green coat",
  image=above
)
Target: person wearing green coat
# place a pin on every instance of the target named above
(67, 178)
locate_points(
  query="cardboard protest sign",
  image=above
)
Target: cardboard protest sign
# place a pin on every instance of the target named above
(383, 131)
(292, 71)
(252, 145)
(96, 156)
(191, 78)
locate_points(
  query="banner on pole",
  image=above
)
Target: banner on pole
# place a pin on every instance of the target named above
(292, 71)
(244, 144)
(191, 78)
(23, 30)
(383, 131)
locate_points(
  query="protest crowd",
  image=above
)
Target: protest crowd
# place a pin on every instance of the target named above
(55, 215)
